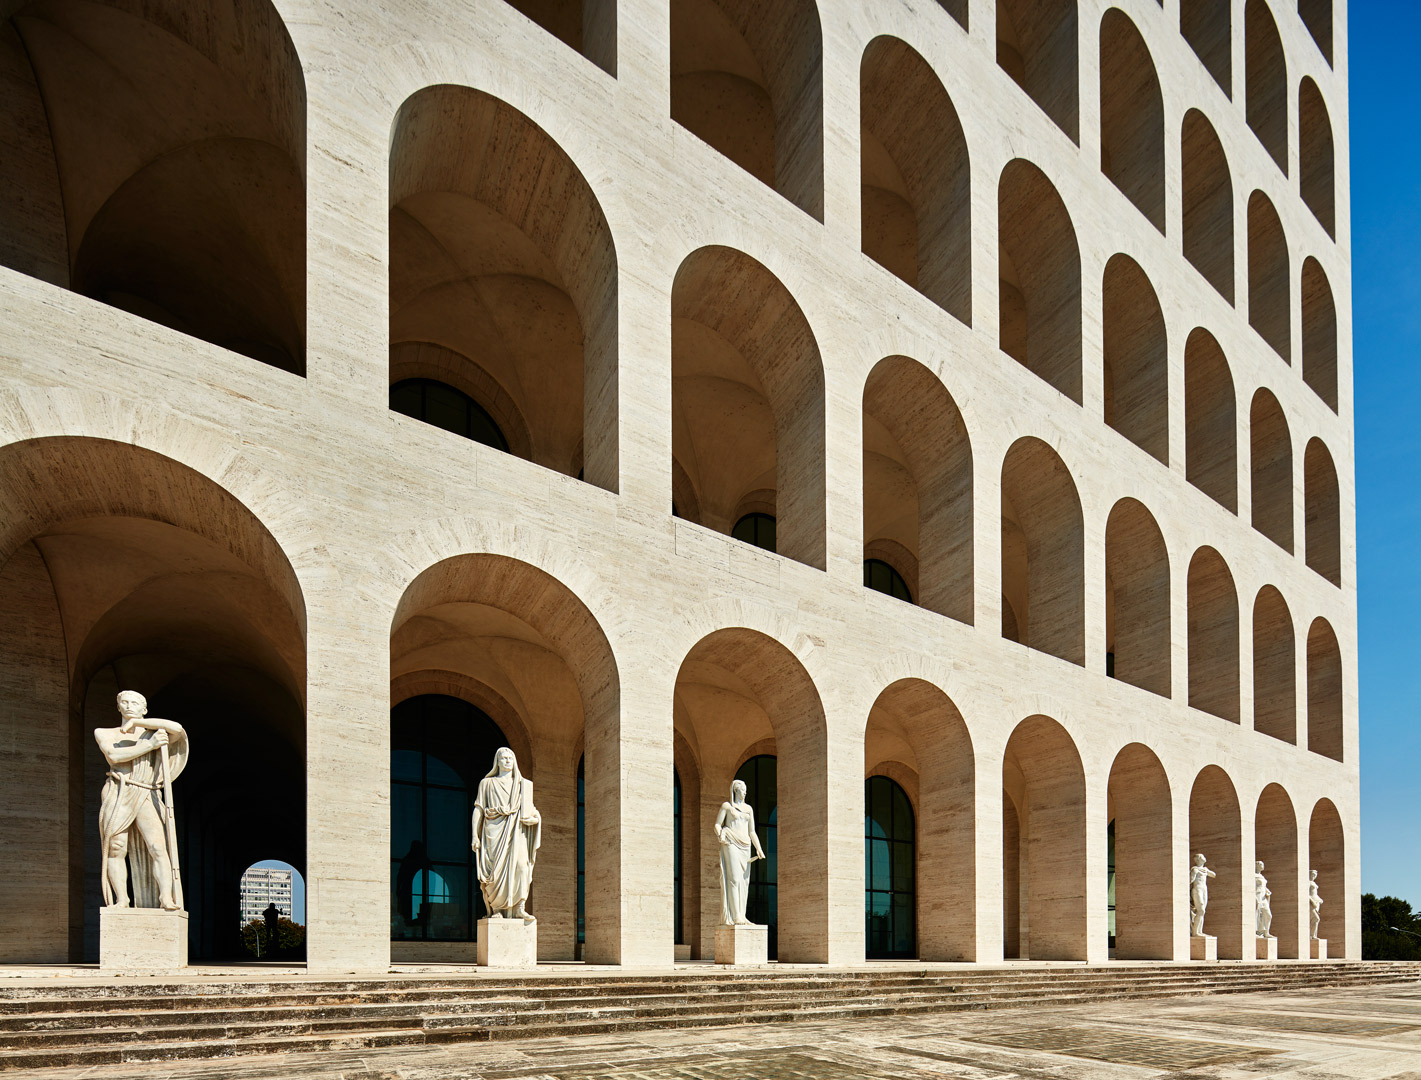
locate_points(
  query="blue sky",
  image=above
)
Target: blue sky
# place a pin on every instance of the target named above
(1386, 314)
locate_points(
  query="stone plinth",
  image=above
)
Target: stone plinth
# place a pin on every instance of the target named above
(507, 943)
(1203, 947)
(743, 946)
(1267, 948)
(142, 941)
(1319, 948)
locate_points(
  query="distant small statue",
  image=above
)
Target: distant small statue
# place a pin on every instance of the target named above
(137, 826)
(739, 847)
(507, 833)
(1199, 876)
(1314, 903)
(1262, 898)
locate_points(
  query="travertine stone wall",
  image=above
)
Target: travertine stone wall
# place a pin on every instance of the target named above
(353, 549)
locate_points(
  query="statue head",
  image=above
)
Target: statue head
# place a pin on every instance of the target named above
(1198, 860)
(132, 705)
(1312, 875)
(737, 791)
(1258, 866)
(504, 761)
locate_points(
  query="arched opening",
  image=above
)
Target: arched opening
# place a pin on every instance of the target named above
(1208, 203)
(1131, 116)
(881, 577)
(1208, 27)
(1271, 470)
(1325, 730)
(1146, 893)
(1319, 333)
(747, 78)
(1137, 598)
(1039, 278)
(1136, 359)
(441, 746)
(155, 160)
(1037, 46)
(1322, 530)
(1317, 17)
(758, 530)
(1275, 705)
(586, 26)
(745, 707)
(1210, 420)
(1043, 551)
(917, 485)
(1327, 854)
(890, 867)
(121, 569)
(1315, 156)
(1266, 81)
(447, 407)
(1213, 636)
(747, 401)
(503, 280)
(1275, 844)
(1216, 832)
(916, 736)
(1269, 305)
(917, 197)
(277, 936)
(514, 656)
(1044, 842)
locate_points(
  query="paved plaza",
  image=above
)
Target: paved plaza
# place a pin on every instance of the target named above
(1370, 1034)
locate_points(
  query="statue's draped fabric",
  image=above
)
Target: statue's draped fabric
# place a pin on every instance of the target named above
(125, 791)
(735, 857)
(507, 848)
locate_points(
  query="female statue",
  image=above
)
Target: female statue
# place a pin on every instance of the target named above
(739, 847)
(507, 834)
(1261, 896)
(1199, 876)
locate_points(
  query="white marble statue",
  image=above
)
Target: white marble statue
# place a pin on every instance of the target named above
(1262, 897)
(1199, 876)
(739, 847)
(1314, 903)
(507, 834)
(137, 829)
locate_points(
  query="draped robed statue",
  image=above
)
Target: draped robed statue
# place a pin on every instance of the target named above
(739, 847)
(137, 828)
(506, 836)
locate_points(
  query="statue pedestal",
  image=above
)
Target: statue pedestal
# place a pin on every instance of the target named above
(742, 946)
(1267, 948)
(142, 941)
(1319, 948)
(507, 943)
(1203, 947)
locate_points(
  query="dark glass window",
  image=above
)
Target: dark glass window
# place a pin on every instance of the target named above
(676, 862)
(890, 871)
(581, 856)
(762, 905)
(757, 529)
(443, 406)
(440, 748)
(1110, 882)
(881, 577)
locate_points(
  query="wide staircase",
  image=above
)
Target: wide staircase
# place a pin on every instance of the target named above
(51, 1024)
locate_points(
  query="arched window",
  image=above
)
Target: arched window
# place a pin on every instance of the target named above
(759, 775)
(445, 407)
(1265, 76)
(589, 26)
(440, 748)
(881, 577)
(1206, 25)
(1131, 116)
(1317, 17)
(1269, 279)
(757, 529)
(1315, 151)
(890, 855)
(1037, 47)
(1208, 210)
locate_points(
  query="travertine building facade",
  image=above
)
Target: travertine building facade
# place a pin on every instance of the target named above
(377, 373)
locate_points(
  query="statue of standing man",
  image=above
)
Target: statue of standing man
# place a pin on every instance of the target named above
(137, 827)
(1314, 903)
(1199, 876)
(1263, 899)
(507, 834)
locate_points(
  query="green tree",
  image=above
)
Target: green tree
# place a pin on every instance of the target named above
(290, 941)
(1379, 940)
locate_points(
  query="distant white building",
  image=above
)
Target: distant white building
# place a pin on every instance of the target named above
(262, 886)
